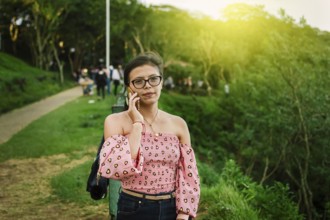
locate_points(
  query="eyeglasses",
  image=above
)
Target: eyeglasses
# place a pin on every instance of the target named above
(153, 81)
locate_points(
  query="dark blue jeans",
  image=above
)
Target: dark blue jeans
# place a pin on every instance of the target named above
(134, 208)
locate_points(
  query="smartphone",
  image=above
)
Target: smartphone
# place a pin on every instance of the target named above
(129, 92)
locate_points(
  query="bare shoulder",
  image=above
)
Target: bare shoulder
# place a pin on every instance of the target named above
(116, 116)
(115, 124)
(178, 121)
(179, 127)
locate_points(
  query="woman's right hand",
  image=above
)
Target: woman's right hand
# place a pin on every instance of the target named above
(133, 112)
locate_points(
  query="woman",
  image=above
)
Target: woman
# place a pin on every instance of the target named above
(149, 151)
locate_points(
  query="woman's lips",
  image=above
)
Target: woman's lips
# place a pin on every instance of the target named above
(148, 94)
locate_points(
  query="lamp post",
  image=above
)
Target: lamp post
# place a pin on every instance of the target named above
(107, 28)
(114, 185)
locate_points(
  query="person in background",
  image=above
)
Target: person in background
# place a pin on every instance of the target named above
(85, 82)
(109, 72)
(121, 71)
(116, 80)
(93, 72)
(149, 151)
(101, 82)
(169, 84)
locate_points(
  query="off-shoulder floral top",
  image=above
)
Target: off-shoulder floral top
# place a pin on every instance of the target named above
(163, 165)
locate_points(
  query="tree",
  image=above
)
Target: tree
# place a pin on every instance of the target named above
(45, 20)
(83, 33)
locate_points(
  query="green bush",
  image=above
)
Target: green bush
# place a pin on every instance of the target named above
(260, 124)
(208, 175)
(275, 202)
(236, 196)
(225, 202)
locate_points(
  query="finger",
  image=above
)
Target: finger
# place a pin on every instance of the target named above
(132, 98)
(134, 101)
(133, 94)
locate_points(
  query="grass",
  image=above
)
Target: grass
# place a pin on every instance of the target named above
(70, 186)
(75, 130)
(74, 127)
(21, 84)
(223, 201)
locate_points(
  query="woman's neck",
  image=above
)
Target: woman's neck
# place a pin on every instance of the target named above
(149, 112)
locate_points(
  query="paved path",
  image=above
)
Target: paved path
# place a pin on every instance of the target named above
(16, 120)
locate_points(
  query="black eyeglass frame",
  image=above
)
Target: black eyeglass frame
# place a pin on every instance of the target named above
(147, 80)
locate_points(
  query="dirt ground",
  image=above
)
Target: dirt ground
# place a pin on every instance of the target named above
(26, 191)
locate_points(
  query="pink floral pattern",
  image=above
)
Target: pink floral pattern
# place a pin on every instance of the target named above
(163, 165)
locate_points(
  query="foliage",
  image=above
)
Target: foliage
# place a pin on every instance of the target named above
(202, 121)
(209, 176)
(21, 84)
(264, 139)
(225, 202)
(275, 120)
(229, 194)
(272, 202)
(236, 196)
(84, 38)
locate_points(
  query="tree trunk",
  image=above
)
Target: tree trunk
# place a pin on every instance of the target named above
(59, 63)
(207, 69)
(138, 41)
(302, 165)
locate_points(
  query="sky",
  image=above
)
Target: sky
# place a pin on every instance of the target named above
(316, 12)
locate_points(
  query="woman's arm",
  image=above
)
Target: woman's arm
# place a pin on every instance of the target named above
(118, 156)
(188, 188)
(183, 131)
(113, 125)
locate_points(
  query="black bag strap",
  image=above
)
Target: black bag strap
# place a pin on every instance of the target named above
(98, 189)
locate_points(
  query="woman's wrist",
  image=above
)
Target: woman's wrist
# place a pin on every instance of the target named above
(139, 125)
(182, 216)
(138, 122)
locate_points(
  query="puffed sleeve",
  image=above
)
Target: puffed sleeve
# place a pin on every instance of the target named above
(115, 159)
(187, 184)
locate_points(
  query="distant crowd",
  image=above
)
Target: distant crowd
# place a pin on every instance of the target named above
(109, 81)
(106, 80)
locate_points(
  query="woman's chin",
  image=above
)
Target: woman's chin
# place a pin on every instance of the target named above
(148, 102)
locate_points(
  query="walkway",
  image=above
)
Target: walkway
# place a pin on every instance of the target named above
(16, 120)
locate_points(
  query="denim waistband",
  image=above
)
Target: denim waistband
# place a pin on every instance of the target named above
(160, 196)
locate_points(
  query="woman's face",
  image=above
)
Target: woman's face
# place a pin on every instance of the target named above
(149, 92)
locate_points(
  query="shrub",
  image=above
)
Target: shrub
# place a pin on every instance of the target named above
(207, 174)
(225, 202)
(236, 196)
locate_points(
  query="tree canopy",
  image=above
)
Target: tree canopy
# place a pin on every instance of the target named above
(275, 120)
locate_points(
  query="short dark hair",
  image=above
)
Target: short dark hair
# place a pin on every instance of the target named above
(146, 58)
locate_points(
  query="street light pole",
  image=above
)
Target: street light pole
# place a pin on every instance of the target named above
(107, 23)
(114, 185)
